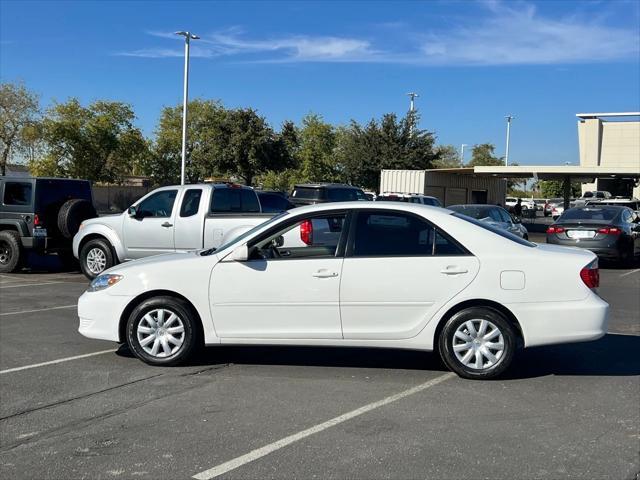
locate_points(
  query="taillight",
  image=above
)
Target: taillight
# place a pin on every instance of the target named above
(554, 229)
(36, 220)
(610, 230)
(590, 275)
(306, 232)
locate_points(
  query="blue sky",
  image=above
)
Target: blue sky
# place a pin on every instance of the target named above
(472, 62)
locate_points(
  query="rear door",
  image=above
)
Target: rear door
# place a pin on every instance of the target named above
(150, 232)
(398, 271)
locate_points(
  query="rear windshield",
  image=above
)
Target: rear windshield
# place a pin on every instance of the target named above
(497, 231)
(231, 200)
(600, 213)
(308, 193)
(432, 201)
(345, 194)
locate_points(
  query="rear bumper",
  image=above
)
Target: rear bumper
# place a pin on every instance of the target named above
(602, 248)
(547, 323)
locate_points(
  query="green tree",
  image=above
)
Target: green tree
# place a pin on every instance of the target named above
(98, 142)
(317, 142)
(483, 155)
(555, 188)
(448, 157)
(19, 110)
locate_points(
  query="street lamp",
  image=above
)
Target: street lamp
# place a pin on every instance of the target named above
(187, 37)
(412, 96)
(506, 155)
(462, 153)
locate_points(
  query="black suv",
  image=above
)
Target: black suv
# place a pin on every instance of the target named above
(312, 193)
(42, 215)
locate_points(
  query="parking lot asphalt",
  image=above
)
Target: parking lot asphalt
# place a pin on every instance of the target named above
(565, 411)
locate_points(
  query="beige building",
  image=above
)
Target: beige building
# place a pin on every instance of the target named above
(610, 140)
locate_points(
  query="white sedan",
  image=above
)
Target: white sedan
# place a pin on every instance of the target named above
(391, 275)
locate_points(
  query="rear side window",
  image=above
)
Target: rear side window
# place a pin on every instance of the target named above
(433, 202)
(307, 193)
(230, 200)
(17, 193)
(191, 202)
(399, 235)
(272, 203)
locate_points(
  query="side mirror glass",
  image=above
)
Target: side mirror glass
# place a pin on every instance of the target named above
(132, 211)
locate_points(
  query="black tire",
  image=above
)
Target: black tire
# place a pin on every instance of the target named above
(72, 213)
(626, 256)
(10, 251)
(476, 314)
(89, 251)
(190, 335)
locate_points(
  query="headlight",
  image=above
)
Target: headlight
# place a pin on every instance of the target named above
(103, 281)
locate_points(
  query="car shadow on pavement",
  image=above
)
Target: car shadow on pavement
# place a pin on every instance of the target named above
(612, 355)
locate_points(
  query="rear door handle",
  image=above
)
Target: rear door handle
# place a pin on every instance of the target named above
(324, 274)
(167, 225)
(451, 270)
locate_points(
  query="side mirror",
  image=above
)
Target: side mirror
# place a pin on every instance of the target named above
(132, 211)
(515, 219)
(240, 254)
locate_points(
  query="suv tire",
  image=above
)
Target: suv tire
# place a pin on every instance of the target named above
(95, 257)
(10, 251)
(477, 335)
(72, 213)
(174, 343)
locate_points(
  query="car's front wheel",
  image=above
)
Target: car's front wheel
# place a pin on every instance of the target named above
(96, 257)
(477, 343)
(162, 331)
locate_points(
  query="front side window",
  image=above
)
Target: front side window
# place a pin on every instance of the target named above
(158, 205)
(191, 202)
(312, 237)
(17, 193)
(397, 234)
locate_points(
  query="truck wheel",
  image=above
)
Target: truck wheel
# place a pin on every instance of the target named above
(10, 251)
(95, 257)
(72, 213)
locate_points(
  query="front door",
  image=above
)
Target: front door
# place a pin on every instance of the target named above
(150, 231)
(398, 271)
(288, 289)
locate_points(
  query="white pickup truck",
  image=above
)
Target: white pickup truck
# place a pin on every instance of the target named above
(169, 219)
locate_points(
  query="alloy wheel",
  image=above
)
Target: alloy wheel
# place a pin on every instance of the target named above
(96, 260)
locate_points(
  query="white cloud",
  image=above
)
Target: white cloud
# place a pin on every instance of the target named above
(505, 35)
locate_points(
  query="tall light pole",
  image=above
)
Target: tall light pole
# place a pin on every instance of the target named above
(412, 96)
(187, 37)
(506, 155)
(462, 153)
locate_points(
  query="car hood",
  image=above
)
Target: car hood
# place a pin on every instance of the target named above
(108, 220)
(166, 261)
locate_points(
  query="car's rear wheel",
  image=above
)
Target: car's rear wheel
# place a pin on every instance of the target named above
(162, 331)
(477, 343)
(10, 251)
(96, 257)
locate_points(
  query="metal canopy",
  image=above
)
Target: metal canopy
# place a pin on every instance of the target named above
(546, 172)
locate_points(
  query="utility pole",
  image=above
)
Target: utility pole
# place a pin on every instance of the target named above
(462, 154)
(506, 155)
(187, 37)
(412, 96)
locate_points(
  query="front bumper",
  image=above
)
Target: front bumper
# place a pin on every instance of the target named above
(547, 323)
(99, 315)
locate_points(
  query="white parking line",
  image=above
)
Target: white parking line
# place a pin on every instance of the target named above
(629, 273)
(38, 310)
(272, 447)
(53, 362)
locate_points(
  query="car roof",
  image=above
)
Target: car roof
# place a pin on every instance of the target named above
(360, 205)
(324, 185)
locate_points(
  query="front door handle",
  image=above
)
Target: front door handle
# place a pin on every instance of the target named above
(453, 270)
(323, 273)
(167, 225)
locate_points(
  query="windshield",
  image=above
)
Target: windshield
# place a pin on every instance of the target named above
(245, 234)
(497, 231)
(602, 214)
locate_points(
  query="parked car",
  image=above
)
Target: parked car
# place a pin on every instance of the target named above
(632, 203)
(371, 196)
(526, 203)
(312, 193)
(273, 202)
(168, 219)
(493, 215)
(470, 291)
(592, 195)
(410, 198)
(41, 215)
(610, 232)
(557, 207)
